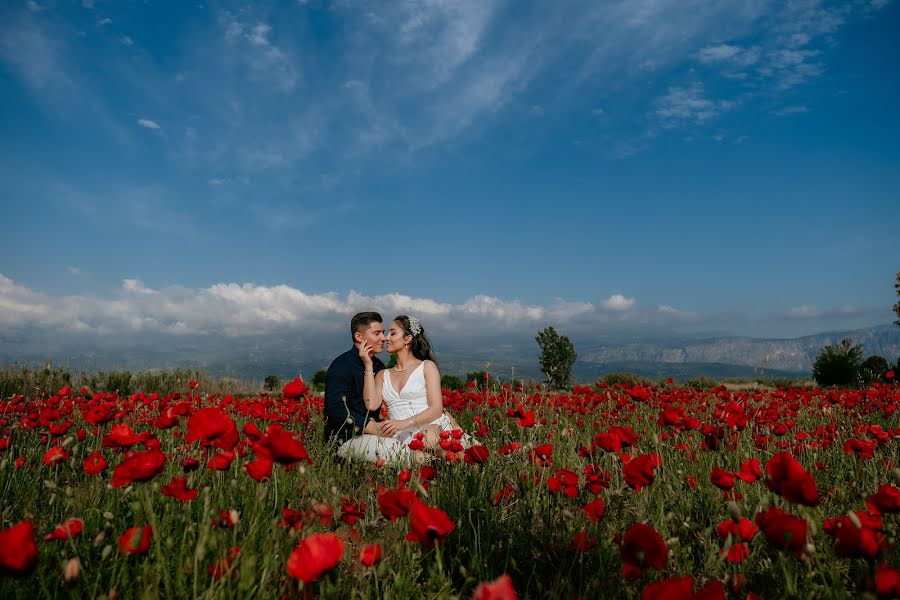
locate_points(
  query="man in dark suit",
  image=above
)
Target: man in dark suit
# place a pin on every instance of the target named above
(348, 423)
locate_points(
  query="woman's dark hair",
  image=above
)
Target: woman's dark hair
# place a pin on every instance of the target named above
(420, 345)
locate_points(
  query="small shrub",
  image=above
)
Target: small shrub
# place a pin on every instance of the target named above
(319, 379)
(452, 382)
(874, 368)
(701, 382)
(623, 378)
(838, 364)
(271, 382)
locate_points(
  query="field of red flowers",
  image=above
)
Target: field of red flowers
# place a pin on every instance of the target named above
(619, 491)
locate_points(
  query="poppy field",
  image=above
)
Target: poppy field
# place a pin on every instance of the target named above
(621, 491)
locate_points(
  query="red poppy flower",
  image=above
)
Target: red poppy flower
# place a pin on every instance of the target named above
(887, 581)
(542, 455)
(615, 439)
(860, 539)
(750, 471)
(69, 529)
(721, 478)
(179, 490)
(284, 448)
(394, 504)
(223, 566)
(94, 464)
(669, 589)
(212, 426)
(193, 384)
(499, 589)
(136, 540)
(352, 510)
(582, 542)
(294, 389)
(122, 436)
(594, 510)
(260, 468)
(427, 524)
(641, 547)
(789, 479)
(744, 529)
(783, 530)
(138, 466)
(55, 455)
(18, 549)
(564, 480)
(885, 500)
(314, 556)
(861, 448)
(370, 554)
(738, 552)
(477, 455)
(638, 473)
(682, 588)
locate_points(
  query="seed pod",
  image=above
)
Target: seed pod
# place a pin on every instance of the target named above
(107, 550)
(99, 538)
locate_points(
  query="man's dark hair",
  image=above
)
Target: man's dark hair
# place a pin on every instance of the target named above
(360, 321)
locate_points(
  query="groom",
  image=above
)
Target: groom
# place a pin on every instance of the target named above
(348, 423)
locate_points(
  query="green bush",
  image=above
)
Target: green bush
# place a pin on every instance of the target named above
(701, 382)
(319, 379)
(838, 364)
(452, 382)
(623, 378)
(874, 368)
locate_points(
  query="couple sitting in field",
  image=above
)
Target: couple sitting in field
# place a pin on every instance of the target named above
(358, 384)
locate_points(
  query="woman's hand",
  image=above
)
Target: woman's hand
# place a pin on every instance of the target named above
(365, 353)
(390, 427)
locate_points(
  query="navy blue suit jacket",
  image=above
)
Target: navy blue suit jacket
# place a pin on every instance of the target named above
(343, 397)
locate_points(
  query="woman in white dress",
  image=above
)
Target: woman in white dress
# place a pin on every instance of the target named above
(411, 390)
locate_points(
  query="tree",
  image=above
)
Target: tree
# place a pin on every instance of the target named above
(874, 368)
(838, 364)
(271, 382)
(897, 306)
(557, 357)
(319, 380)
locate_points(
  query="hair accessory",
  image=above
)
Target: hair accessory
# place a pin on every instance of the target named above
(415, 327)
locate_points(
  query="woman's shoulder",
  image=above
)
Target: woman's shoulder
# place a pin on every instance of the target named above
(429, 365)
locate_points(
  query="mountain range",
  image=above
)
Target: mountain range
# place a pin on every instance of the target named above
(284, 355)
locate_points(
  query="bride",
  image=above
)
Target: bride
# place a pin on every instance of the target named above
(411, 390)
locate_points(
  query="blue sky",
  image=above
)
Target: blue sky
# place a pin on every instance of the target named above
(689, 166)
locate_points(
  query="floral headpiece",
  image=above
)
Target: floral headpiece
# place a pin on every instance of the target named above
(415, 327)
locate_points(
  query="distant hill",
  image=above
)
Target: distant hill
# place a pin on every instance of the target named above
(288, 355)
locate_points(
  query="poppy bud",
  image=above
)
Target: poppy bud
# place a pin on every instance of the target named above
(72, 571)
(107, 550)
(854, 519)
(734, 510)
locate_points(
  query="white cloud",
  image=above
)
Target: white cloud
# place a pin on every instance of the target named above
(785, 111)
(618, 302)
(126, 41)
(805, 311)
(688, 105)
(73, 270)
(104, 21)
(148, 123)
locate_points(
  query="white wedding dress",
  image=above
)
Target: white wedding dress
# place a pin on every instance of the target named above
(410, 401)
